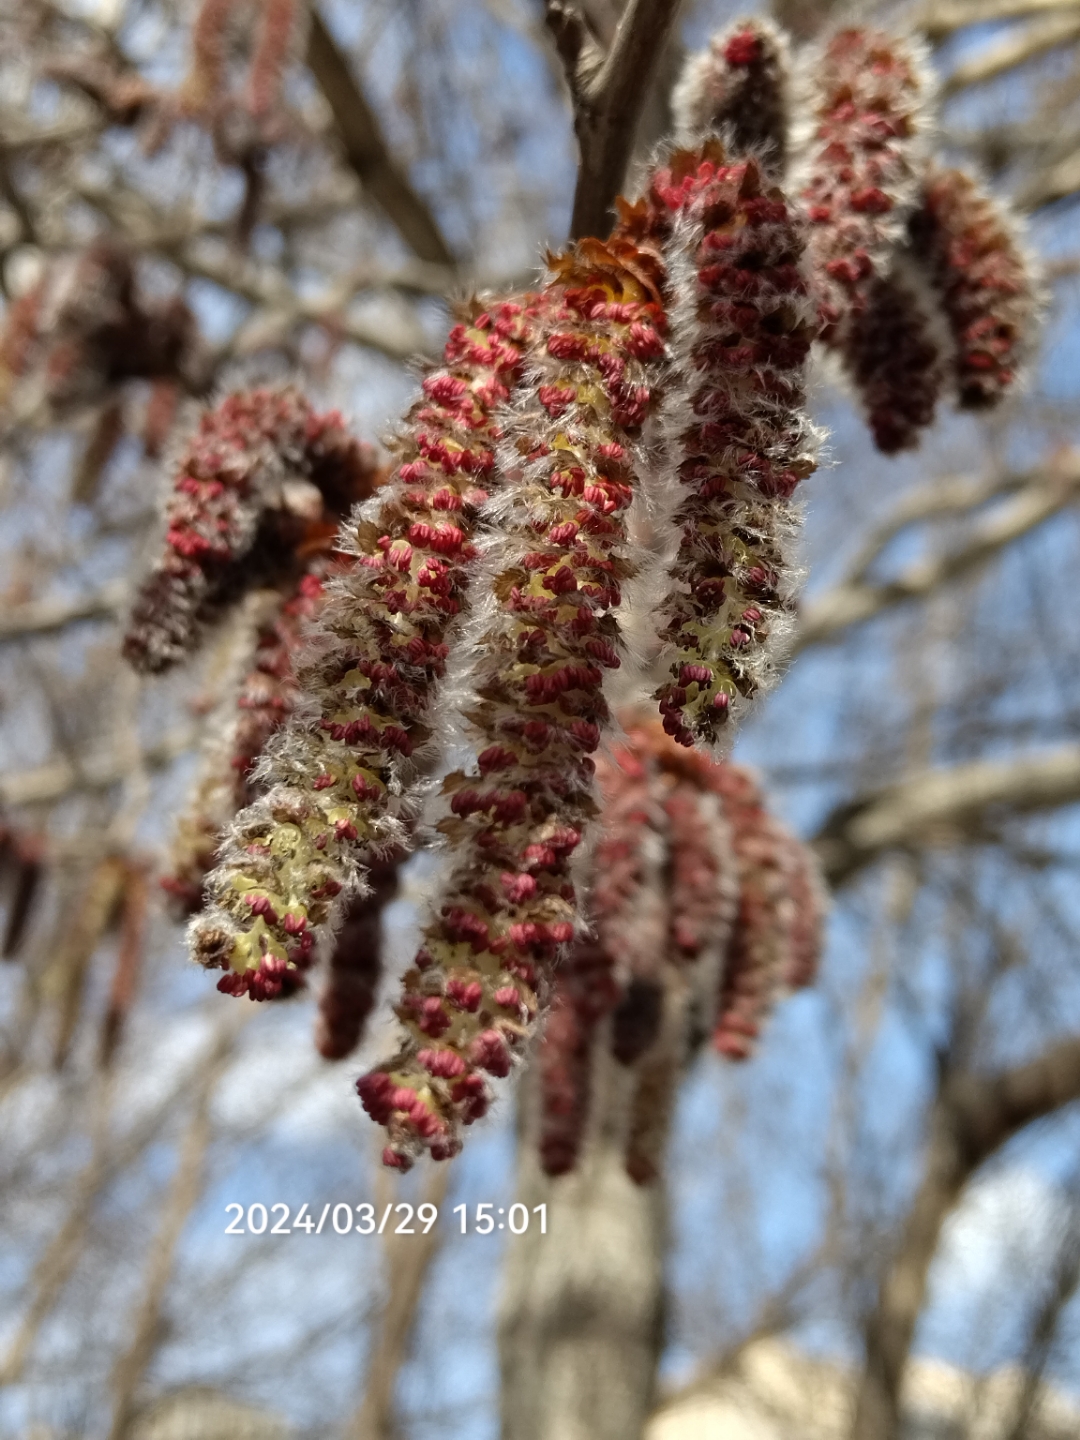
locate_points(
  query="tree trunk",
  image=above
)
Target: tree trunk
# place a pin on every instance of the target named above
(581, 1314)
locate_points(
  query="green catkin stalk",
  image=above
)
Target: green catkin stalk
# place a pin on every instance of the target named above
(370, 671)
(543, 637)
(739, 440)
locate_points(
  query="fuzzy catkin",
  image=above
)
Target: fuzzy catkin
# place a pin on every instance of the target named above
(261, 466)
(267, 695)
(356, 965)
(867, 98)
(738, 437)
(761, 953)
(895, 363)
(968, 243)
(276, 33)
(738, 87)
(370, 669)
(543, 637)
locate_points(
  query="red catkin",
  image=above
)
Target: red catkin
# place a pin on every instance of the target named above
(740, 442)
(541, 642)
(968, 243)
(372, 666)
(860, 171)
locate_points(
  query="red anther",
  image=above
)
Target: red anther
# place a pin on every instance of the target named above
(586, 734)
(294, 924)
(509, 997)
(568, 346)
(562, 534)
(562, 582)
(445, 499)
(518, 887)
(261, 905)
(495, 757)
(465, 994)
(443, 1063)
(562, 932)
(400, 555)
(433, 1019)
(396, 1159)
(871, 201)
(744, 48)
(490, 1052)
(511, 806)
(691, 674)
(365, 789)
(555, 398)
(444, 388)
(345, 830)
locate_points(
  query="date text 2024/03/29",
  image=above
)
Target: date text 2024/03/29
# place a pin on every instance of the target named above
(487, 1218)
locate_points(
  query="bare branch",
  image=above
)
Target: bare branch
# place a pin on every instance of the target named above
(408, 1262)
(974, 1115)
(608, 98)
(366, 149)
(939, 21)
(943, 807)
(857, 600)
(183, 1194)
(1016, 49)
(43, 617)
(56, 778)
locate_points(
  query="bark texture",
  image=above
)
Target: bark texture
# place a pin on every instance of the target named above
(581, 1314)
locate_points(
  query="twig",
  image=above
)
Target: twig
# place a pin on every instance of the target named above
(608, 94)
(56, 778)
(1016, 49)
(43, 617)
(183, 1195)
(366, 149)
(938, 21)
(409, 1259)
(941, 806)
(856, 600)
(974, 1116)
(53, 1269)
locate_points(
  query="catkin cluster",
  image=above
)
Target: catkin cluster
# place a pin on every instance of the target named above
(704, 910)
(477, 600)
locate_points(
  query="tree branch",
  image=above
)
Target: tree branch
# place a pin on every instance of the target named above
(43, 617)
(1016, 49)
(856, 600)
(943, 806)
(609, 92)
(974, 1116)
(57, 778)
(938, 21)
(367, 151)
(408, 1262)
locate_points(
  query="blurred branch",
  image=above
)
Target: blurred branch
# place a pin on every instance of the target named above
(974, 1116)
(608, 93)
(366, 149)
(938, 21)
(1016, 49)
(1065, 1282)
(855, 600)
(56, 778)
(408, 1259)
(61, 1254)
(943, 806)
(42, 617)
(182, 1197)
